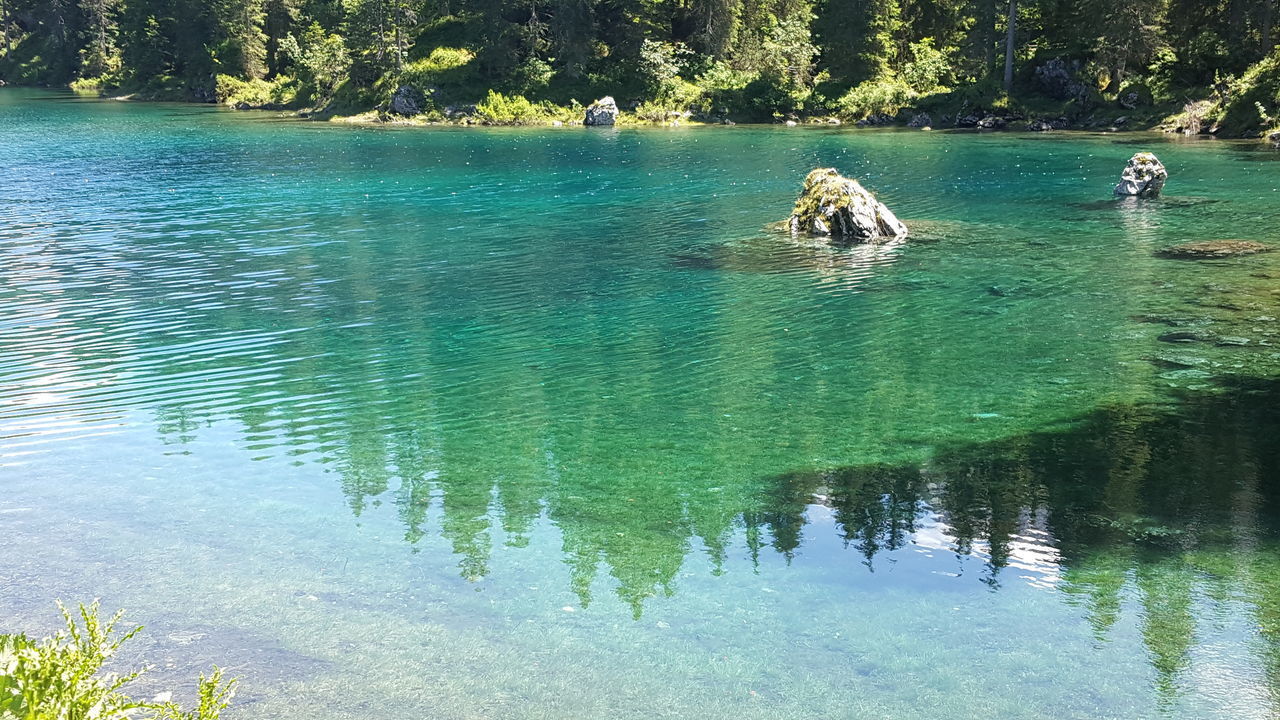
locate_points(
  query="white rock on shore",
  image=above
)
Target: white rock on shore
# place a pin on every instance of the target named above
(603, 112)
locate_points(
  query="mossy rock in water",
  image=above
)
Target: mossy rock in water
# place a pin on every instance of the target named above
(1212, 249)
(840, 207)
(1144, 176)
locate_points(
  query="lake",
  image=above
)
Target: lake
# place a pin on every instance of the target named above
(545, 423)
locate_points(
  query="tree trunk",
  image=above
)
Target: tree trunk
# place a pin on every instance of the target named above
(1268, 11)
(102, 35)
(1235, 18)
(398, 21)
(382, 35)
(1008, 45)
(987, 34)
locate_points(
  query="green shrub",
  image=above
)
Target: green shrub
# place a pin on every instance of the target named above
(885, 96)
(254, 93)
(660, 64)
(61, 677)
(929, 68)
(1253, 100)
(531, 76)
(88, 85)
(680, 97)
(321, 59)
(771, 95)
(723, 86)
(656, 111)
(499, 109)
(445, 67)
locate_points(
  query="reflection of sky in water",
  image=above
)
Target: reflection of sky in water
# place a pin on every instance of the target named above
(373, 419)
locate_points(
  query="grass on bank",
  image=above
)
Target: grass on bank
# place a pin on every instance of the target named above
(64, 677)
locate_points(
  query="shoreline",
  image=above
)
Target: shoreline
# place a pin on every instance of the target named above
(973, 123)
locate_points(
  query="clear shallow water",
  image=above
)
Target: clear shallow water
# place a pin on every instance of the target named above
(542, 424)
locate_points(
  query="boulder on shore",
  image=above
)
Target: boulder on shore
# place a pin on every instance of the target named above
(1143, 176)
(831, 204)
(1212, 249)
(407, 100)
(602, 112)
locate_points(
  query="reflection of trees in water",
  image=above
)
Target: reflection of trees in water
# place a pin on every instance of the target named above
(1175, 509)
(1140, 502)
(1134, 499)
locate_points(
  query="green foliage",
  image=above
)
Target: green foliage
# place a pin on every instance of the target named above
(658, 111)
(1253, 101)
(929, 68)
(447, 70)
(255, 93)
(89, 85)
(321, 58)
(659, 67)
(748, 60)
(62, 677)
(499, 109)
(722, 80)
(876, 97)
(530, 76)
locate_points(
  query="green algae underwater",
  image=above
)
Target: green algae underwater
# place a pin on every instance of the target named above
(542, 424)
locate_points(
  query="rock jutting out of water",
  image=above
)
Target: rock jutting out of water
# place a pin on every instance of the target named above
(1212, 249)
(1144, 176)
(834, 205)
(603, 112)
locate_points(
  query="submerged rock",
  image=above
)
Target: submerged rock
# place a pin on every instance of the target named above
(1143, 176)
(1212, 249)
(602, 112)
(1184, 336)
(834, 205)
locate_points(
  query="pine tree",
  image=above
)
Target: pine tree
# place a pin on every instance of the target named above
(1011, 29)
(573, 32)
(99, 55)
(243, 48)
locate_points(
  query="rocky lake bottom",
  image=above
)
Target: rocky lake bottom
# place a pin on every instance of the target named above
(545, 423)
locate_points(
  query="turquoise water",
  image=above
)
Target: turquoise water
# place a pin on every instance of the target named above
(543, 423)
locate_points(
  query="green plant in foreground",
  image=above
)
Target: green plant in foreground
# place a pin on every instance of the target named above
(61, 677)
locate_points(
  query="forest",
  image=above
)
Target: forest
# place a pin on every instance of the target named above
(1192, 65)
